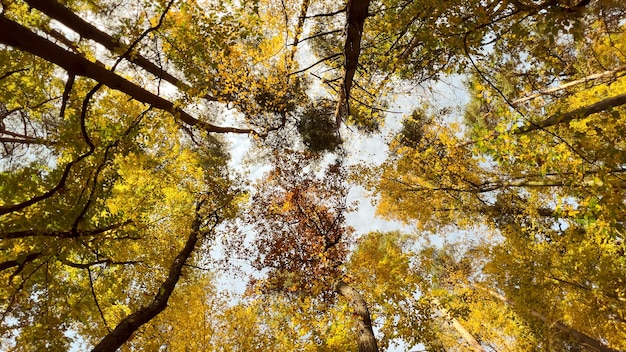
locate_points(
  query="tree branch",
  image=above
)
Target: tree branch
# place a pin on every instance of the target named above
(556, 119)
(64, 15)
(66, 93)
(19, 37)
(9, 73)
(579, 336)
(113, 340)
(609, 73)
(321, 34)
(315, 64)
(25, 140)
(493, 185)
(61, 234)
(68, 167)
(20, 262)
(329, 14)
(97, 262)
(95, 299)
(579, 113)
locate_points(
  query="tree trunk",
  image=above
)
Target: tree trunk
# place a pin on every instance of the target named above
(356, 13)
(474, 344)
(114, 339)
(575, 334)
(367, 340)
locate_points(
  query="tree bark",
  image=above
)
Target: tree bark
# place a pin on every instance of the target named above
(556, 119)
(114, 339)
(86, 30)
(474, 344)
(609, 73)
(19, 37)
(456, 324)
(579, 113)
(356, 13)
(575, 334)
(367, 340)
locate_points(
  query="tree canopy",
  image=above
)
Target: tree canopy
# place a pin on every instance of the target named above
(125, 221)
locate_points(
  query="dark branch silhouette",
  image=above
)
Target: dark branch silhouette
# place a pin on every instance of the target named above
(114, 339)
(19, 262)
(62, 234)
(86, 30)
(19, 37)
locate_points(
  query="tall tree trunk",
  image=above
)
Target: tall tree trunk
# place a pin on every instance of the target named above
(474, 344)
(456, 324)
(114, 339)
(575, 334)
(367, 340)
(356, 13)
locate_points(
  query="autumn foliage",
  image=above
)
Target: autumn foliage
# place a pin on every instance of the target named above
(176, 175)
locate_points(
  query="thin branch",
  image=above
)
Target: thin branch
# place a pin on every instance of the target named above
(304, 8)
(493, 185)
(555, 119)
(68, 167)
(329, 14)
(19, 288)
(62, 234)
(587, 288)
(7, 74)
(197, 267)
(100, 167)
(98, 262)
(321, 34)
(95, 299)
(131, 47)
(315, 64)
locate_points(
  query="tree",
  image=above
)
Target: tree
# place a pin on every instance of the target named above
(543, 175)
(116, 184)
(481, 305)
(111, 182)
(302, 238)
